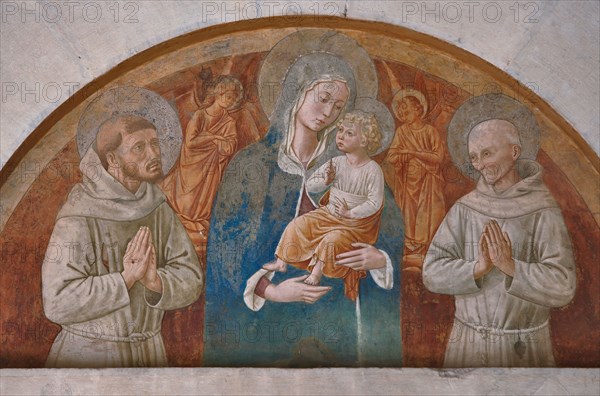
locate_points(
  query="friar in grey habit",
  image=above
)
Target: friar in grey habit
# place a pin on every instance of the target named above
(118, 257)
(504, 252)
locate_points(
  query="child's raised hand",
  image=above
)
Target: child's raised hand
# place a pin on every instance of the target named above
(330, 176)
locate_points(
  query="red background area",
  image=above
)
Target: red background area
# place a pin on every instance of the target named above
(26, 335)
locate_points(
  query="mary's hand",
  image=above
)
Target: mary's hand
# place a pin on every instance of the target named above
(295, 290)
(364, 258)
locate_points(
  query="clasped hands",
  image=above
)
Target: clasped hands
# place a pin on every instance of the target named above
(139, 262)
(495, 250)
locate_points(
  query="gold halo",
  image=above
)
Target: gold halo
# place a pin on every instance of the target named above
(309, 41)
(384, 119)
(409, 92)
(488, 107)
(129, 100)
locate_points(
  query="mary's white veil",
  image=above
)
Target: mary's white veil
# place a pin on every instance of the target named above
(303, 75)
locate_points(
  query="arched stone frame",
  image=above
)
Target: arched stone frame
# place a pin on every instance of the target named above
(579, 163)
(554, 141)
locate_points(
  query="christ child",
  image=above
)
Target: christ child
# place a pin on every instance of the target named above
(350, 210)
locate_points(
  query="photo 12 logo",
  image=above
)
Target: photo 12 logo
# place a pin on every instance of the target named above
(69, 11)
(469, 11)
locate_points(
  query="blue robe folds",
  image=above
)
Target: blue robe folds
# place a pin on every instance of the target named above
(256, 200)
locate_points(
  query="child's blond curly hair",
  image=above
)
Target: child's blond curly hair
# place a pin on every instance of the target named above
(369, 128)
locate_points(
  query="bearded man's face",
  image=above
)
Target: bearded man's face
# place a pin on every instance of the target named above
(139, 156)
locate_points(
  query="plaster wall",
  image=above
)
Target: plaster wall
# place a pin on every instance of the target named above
(50, 50)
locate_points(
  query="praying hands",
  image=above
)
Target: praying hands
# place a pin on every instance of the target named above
(495, 250)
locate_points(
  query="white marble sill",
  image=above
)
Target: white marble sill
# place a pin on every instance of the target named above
(333, 381)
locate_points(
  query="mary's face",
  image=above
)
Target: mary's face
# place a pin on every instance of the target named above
(322, 105)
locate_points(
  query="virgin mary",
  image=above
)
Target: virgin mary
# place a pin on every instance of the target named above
(262, 191)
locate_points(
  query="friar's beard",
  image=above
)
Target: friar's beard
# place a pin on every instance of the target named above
(152, 172)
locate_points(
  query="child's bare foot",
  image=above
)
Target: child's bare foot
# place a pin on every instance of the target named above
(315, 275)
(279, 266)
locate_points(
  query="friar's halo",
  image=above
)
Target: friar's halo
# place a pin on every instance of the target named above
(129, 100)
(488, 107)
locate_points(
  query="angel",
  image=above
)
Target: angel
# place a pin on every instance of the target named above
(417, 153)
(210, 140)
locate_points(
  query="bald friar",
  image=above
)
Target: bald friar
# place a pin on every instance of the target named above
(504, 252)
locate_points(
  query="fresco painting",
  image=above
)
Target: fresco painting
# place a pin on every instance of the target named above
(311, 204)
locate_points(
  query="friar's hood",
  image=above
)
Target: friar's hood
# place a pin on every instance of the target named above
(528, 195)
(102, 196)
